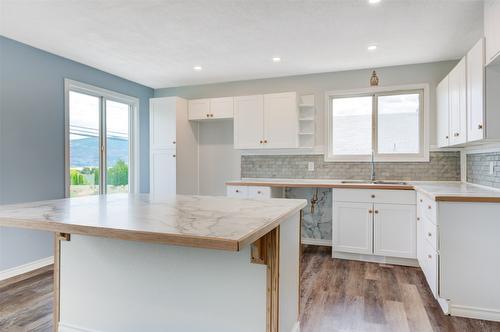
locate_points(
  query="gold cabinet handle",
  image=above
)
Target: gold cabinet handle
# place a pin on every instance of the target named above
(261, 141)
(479, 126)
(265, 141)
(376, 211)
(370, 211)
(208, 115)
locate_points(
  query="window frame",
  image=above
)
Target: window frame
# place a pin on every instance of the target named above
(421, 156)
(134, 153)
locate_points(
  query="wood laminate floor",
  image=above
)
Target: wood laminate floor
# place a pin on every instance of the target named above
(336, 295)
(343, 295)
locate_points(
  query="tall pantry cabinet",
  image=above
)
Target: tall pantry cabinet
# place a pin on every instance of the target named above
(173, 148)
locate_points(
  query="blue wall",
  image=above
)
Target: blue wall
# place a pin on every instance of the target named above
(32, 133)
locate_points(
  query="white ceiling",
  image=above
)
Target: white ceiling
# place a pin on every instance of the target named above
(157, 43)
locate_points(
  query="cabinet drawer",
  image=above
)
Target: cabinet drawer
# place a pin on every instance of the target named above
(259, 192)
(430, 267)
(430, 233)
(237, 191)
(427, 208)
(374, 196)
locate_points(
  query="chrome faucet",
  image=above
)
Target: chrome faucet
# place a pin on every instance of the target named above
(372, 179)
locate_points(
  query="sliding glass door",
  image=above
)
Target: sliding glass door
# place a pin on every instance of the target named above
(99, 143)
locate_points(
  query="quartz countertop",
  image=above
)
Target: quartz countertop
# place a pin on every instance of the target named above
(452, 191)
(196, 221)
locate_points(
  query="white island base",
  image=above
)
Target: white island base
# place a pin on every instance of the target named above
(111, 285)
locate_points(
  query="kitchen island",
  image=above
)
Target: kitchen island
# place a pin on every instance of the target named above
(125, 262)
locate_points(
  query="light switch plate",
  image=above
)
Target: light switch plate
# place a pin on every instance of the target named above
(492, 165)
(310, 166)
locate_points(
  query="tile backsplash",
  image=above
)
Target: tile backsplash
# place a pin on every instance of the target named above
(444, 166)
(478, 169)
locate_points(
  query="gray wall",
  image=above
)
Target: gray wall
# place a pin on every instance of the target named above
(478, 169)
(32, 135)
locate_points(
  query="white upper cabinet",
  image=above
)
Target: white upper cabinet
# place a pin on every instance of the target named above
(475, 92)
(458, 103)
(211, 109)
(199, 109)
(443, 113)
(248, 122)
(492, 29)
(221, 108)
(266, 121)
(280, 120)
(162, 119)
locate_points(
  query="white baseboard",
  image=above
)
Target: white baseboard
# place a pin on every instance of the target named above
(296, 327)
(316, 242)
(376, 259)
(18, 270)
(474, 312)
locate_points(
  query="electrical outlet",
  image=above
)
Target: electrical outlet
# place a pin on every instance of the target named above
(492, 166)
(310, 166)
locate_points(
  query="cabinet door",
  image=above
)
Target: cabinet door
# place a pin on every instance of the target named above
(420, 240)
(237, 191)
(280, 120)
(162, 123)
(248, 122)
(199, 109)
(443, 113)
(492, 29)
(475, 92)
(221, 108)
(352, 227)
(259, 192)
(458, 107)
(394, 230)
(163, 173)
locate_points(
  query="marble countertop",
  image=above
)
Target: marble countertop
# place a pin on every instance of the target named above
(196, 221)
(454, 191)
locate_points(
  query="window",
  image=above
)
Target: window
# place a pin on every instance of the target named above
(386, 121)
(100, 141)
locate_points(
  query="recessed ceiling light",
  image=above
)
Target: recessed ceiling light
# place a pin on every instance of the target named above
(373, 1)
(197, 68)
(372, 47)
(276, 59)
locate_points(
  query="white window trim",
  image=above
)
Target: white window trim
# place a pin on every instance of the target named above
(134, 153)
(423, 156)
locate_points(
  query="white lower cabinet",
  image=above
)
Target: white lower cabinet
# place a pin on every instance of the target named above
(352, 227)
(394, 230)
(362, 225)
(253, 192)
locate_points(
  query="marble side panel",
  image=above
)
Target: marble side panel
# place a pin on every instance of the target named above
(317, 222)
